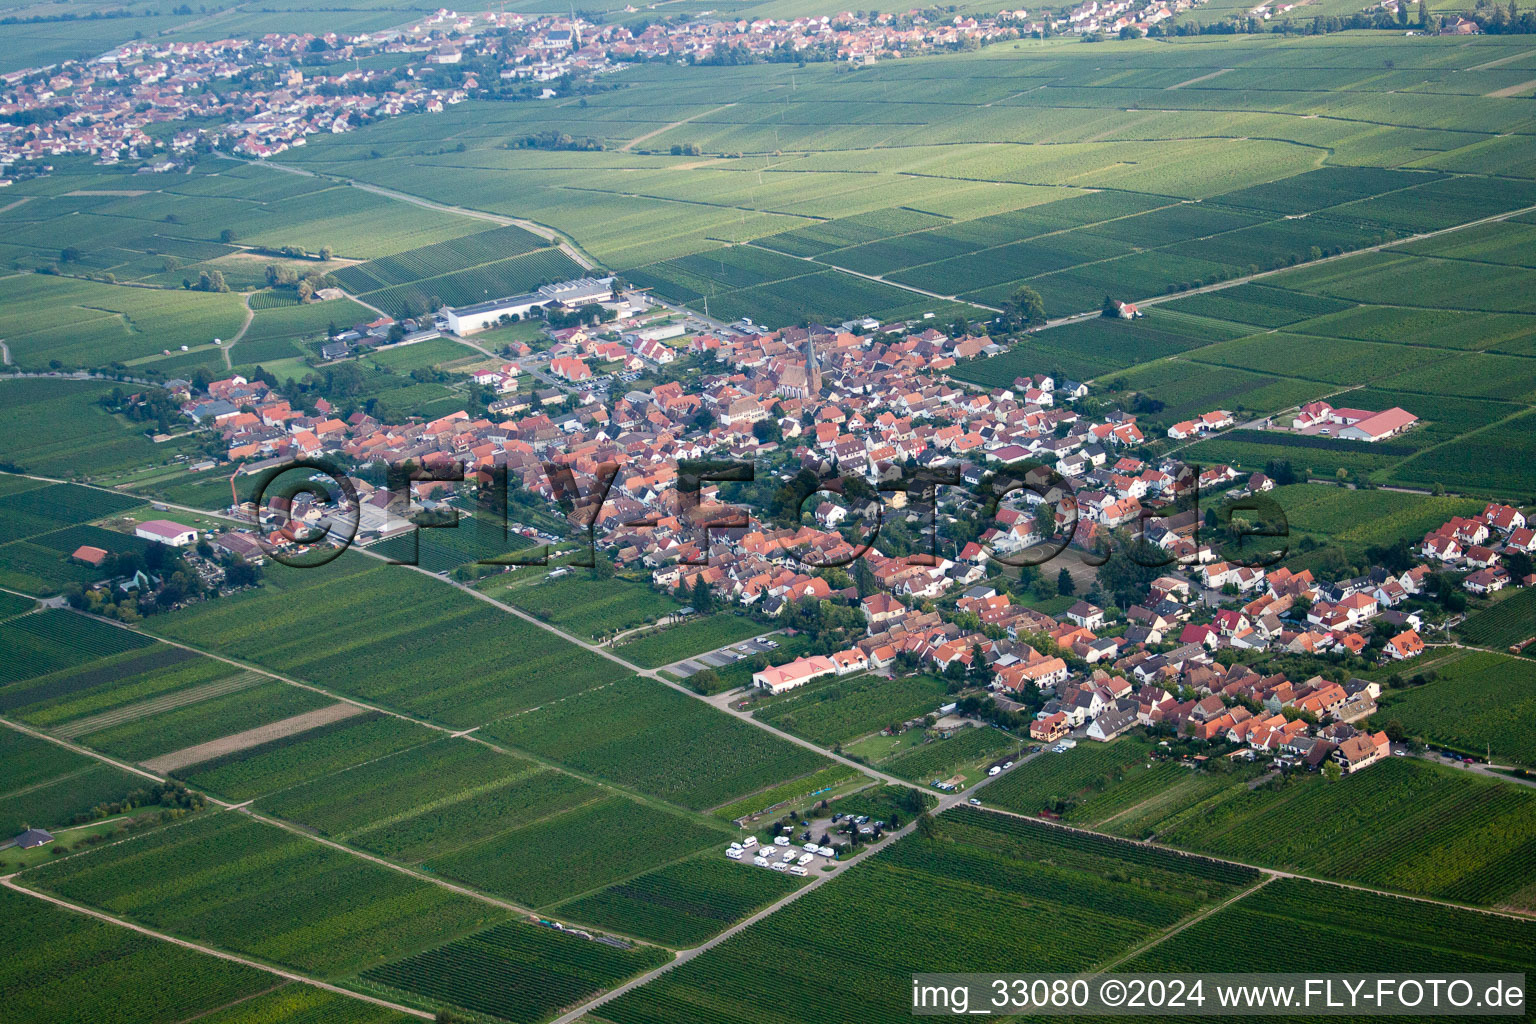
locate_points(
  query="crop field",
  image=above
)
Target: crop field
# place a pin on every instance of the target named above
(474, 538)
(1359, 518)
(1323, 928)
(429, 650)
(46, 786)
(576, 851)
(293, 759)
(439, 258)
(808, 786)
(423, 354)
(86, 323)
(1499, 461)
(1441, 328)
(1402, 825)
(1481, 703)
(1069, 907)
(83, 439)
(1259, 306)
(1058, 781)
(850, 708)
(675, 643)
(53, 639)
(682, 904)
(47, 950)
(429, 799)
(225, 879)
(14, 604)
(587, 607)
(517, 972)
(1330, 360)
(108, 683)
(940, 759)
(641, 734)
(1507, 623)
(304, 1004)
(143, 738)
(512, 276)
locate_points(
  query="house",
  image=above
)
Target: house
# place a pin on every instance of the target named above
(1405, 645)
(779, 678)
(88, 555)
(1361, 751)
(32, 838)
(1486, 581)
(164, 531)
(1086, 615)
(1050, 728)
(1112, 723)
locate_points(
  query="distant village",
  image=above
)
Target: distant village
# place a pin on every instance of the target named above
(259, 97)
(868, 402)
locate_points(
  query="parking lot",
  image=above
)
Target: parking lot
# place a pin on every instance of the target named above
(724, 656)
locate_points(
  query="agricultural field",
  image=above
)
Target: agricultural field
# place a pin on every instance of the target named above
(682, 904)
(697, 636)
(639, 733)
(1359, 518)
(1403, 824)
(940, 759)
(51, 640)
(576, 851)
(84, 441)
(47, 786)
(1480, 703)
(47, 950)
(594, 609)
(429, 800)
(428, 651)
(835, 777)
(1069, 906)
(1324, 928)
(1509, 621)
(516, 972)
(227, 880)
(307, 1005)
(849, 708)
(1058, 782)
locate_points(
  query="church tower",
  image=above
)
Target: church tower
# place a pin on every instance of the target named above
(812, 369)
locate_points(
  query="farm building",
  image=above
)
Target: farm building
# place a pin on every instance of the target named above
(89, 555)
(164, 531)
(32, 838)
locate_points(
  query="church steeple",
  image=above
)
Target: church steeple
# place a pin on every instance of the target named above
(812, 369)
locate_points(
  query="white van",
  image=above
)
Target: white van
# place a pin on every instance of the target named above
(733, 854)
(780, 840)
(797, 870)
(749, 842)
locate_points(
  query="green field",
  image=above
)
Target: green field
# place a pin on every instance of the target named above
(641, 734)
(849, 708)
(1059, 781)
(592, 608)
(682, 904)
(427, 649)
(48, 950)
(83, 439)
(227, 880)
(697, 636)
(1506, 623)
(1071, 901)
(939, 759)
(1481, 703)
(47, 786)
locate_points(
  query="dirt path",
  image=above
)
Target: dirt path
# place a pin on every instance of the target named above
(1203, 78)
(9, 883)
(167, 763)
(245, 325)
(632, 143)
(1512, 90)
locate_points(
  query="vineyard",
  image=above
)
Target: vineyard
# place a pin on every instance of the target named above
(45, 785)
(304, 1004)
(576, 851)
(143, 738)
(682, 904)
(1404, 825)
(581, 605)
(224, 879)
(985, 893)
(827, 778)
(518, 972)
(939, 759)
(439, 258)
(849, 708)
(46, 951)
(429, 800)
(52, 640)
(109, 682)
(303, 623)
(1057, 780)
(514, 276)
(674, 643)
(1509, 622)
(297, 757)
(1325, 928)
(1481, 703)
(639, 733)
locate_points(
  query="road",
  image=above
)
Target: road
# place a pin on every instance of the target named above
(9, 882)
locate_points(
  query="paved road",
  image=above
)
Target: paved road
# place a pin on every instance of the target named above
(9, 883)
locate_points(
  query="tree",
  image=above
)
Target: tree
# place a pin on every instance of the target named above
(1331, 770)
(1027, 305)
(602, 567)
(326, 252)
(1064, 582)
(227, 235)
(702, 598)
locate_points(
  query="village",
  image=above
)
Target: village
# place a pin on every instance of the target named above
(836, 417)
(267, 95)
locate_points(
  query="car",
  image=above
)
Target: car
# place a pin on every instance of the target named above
(1007, 764)
(975, 802)
(993, 770)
